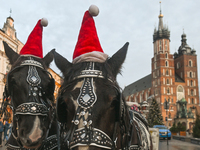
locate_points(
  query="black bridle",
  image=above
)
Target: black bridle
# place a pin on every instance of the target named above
(87, 135)
(37, 106)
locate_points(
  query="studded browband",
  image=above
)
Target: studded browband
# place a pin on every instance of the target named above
(31, 108)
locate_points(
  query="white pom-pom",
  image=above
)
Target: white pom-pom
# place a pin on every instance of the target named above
(44, 22)
(93, 10)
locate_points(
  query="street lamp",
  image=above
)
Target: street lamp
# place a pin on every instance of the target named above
(166, 107)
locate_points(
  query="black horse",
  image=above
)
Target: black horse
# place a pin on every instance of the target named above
(31, 90)
(92, 110)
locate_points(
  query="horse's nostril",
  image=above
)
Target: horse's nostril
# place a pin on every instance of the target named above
(29, 141)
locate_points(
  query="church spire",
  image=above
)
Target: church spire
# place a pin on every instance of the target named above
(162, 32)
(160, 25)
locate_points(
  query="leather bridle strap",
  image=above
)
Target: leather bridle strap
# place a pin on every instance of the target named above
(32, 108)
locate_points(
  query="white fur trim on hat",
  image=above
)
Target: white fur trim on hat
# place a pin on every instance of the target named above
(94, 56)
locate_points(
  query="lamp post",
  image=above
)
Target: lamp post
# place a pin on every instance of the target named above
(166, 107)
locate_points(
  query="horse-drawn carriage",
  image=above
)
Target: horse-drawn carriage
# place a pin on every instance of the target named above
(91, 109)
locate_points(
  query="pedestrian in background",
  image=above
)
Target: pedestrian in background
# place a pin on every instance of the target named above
(6, 127)
(1, 131)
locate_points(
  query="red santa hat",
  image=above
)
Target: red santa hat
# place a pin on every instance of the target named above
(88, 47)
(33, 45)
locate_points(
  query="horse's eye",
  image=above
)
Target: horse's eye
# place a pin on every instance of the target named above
(114, 103)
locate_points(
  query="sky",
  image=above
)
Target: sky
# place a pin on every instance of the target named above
(118, 22)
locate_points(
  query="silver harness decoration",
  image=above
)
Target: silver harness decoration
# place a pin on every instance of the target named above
(88, 135)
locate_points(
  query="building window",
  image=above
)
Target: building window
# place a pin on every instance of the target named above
(168, 100)
(168, 91)
(166, 63)
(172, 100)
(160, 45)
(180, 89)
(192, 92)
(166, 45)
(190, 74)
(167, 81)
(167, 72)
(171, 107)
(191, 83)
(166, 55)
(178, 65)
(192, 101)
(190, 63)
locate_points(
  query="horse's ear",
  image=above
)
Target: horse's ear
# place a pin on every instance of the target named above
(10, 53)
(48, 58)
(117, 59)
(62, 63)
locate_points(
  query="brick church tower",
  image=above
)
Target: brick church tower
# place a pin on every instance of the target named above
(173, 78)
(163, 75)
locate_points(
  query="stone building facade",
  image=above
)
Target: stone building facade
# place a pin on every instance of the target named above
(173, 79)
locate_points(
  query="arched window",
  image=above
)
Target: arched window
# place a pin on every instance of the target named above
(192, 92)
(166, 63)
(167, 81)
(166, 55)
(167, 72)
(178, 65)
(166, 45)
(168, 90)
(190, 74)
(160, 45)
(190, 63)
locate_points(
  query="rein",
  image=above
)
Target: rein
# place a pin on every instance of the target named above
(87, 135)
(37, 107)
